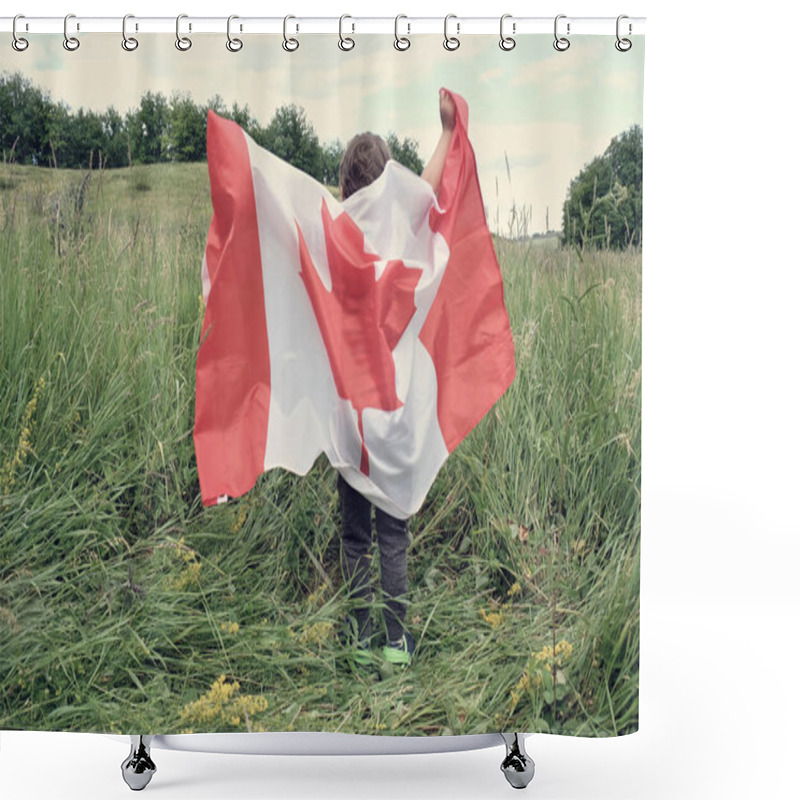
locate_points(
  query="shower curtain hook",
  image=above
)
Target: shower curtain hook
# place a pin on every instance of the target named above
(507, 42)
(234, 45)
(346, 43)
(451, 42)
(71, 43)
(18, 43)
(129, 43)
(401, 42)
(183, 43)
(290, 44)
(561, 43)
(623, 45)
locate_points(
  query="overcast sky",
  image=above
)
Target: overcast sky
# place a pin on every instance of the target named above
(547, 112)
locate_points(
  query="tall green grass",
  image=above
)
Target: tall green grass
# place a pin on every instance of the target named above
(123, 601)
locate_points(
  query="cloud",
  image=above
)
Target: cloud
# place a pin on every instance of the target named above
(490, 75)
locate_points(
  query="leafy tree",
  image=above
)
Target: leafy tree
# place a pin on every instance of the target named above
(217, 105)
(24, 110)
(146, 128)
(406, 152)
(58, 137)
(184, 138)
(291, 136)
(331, 158)
(241, 116)
(85, 138)
(604, 202)
(115, 149)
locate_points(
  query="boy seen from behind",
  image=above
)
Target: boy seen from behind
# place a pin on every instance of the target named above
(363, 162)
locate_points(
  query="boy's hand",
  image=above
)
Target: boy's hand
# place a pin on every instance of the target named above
(447, 110)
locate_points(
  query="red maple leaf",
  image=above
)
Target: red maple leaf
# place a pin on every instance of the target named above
(361, 319)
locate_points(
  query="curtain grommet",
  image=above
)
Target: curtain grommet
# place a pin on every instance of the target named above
(19, 43)
(401, 43)
(346, 43)
(507, 42)
(561, 43)
(290, 44)
(451, 42)
(183, 43)
(71, 43)
(233, 44)
(129, 43)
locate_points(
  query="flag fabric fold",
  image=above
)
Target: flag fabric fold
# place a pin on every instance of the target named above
(373, 330)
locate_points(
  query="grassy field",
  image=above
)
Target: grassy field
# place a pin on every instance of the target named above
(126, 607)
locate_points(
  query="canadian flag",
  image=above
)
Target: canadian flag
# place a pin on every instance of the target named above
(372, 330)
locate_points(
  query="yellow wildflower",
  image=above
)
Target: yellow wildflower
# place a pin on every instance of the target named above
(539, 664)
(544, 655)
(494, 618)
(188, 576)
(316, 633)
(221, 705)
(564, 648)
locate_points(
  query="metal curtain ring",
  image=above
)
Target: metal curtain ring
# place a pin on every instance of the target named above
(507, 42)
(451, 42)
(345, 43)
(70, 42)
(290, 44)
(18, 43)
(401, 42)
(183, 43)
(128, 42)
(623, 45)
(234, 45)
(561, 43)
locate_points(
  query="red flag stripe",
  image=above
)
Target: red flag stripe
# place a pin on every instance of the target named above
(233, 370)
(467, 331)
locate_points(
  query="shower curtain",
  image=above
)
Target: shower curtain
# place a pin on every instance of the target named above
(229, 339)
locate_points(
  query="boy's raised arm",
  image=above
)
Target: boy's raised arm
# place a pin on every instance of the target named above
(433, 170)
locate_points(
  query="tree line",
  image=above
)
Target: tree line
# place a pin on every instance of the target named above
(34, 129)
(604, 201)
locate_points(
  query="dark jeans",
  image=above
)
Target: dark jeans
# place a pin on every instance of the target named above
(393, 542)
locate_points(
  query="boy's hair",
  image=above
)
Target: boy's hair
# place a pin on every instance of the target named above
(362, 162)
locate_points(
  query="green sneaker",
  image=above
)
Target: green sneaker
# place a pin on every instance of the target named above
(400, 652)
